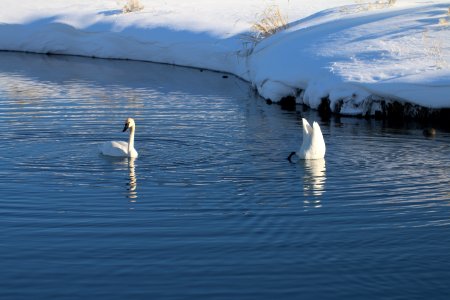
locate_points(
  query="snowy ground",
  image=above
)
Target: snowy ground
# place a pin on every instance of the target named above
(348, 51)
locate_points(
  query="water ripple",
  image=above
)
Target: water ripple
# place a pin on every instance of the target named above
(211, 198)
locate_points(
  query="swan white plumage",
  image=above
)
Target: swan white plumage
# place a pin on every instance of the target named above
(120, 148)
(313, 146)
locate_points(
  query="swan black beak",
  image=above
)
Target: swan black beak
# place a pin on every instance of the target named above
(125, 128)
(290, 155)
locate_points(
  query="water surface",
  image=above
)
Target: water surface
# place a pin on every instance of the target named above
(211, 209)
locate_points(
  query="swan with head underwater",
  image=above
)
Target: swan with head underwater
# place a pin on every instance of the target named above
(313, 146)
(121, 148)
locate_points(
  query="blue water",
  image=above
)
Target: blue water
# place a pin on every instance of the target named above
(211, 209)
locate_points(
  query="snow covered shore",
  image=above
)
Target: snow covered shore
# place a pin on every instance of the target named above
(355, 57)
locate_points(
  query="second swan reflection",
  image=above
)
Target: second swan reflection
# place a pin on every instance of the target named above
(314, 183)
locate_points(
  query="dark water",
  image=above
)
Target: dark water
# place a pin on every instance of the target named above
(211, 209)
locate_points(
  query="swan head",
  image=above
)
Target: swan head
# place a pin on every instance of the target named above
(129, 123)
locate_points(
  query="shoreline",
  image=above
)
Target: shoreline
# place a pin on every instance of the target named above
(379, 108)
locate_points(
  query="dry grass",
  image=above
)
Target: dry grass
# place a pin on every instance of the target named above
(382, 4)
(365, 5)
(445, 21)
(131, 6)
(270, 21)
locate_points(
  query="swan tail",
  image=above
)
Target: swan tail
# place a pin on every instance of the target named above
(317, 136)
(316, 129)
(307, 129)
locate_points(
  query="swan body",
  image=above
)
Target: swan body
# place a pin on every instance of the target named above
(313, 146)
(121, 148)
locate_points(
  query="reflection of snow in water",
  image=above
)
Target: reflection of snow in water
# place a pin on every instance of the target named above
(314, 182)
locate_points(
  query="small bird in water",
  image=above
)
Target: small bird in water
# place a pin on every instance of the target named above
(313, 146)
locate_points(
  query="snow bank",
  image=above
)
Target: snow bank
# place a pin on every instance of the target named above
(399, 53)
(338, 50)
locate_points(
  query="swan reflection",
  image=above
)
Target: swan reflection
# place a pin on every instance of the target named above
(314, 182)
(132, 193)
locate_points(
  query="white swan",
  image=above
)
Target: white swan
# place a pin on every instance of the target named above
(120, 148)
(313, 146)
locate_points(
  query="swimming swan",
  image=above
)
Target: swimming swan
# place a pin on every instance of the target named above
(313, 146)
(120, 148)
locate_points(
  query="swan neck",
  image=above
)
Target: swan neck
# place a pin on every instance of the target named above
(131, 140)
